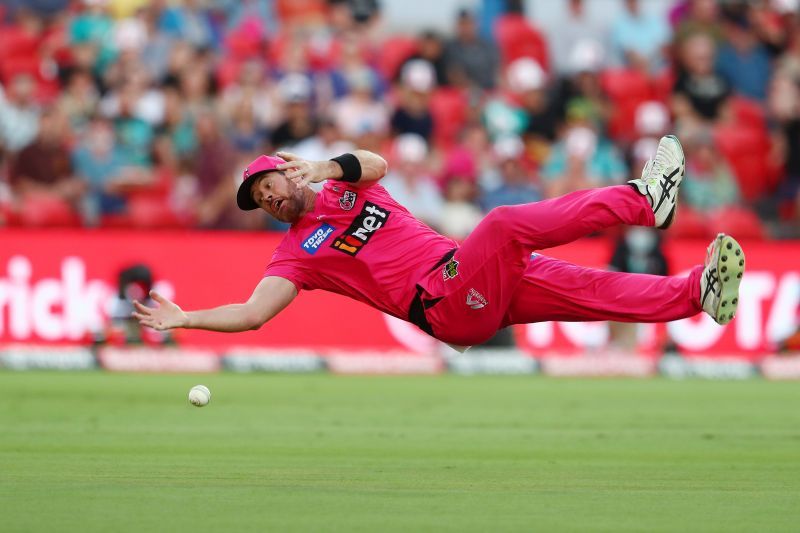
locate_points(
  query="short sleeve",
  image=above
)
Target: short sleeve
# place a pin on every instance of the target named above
(290, 269)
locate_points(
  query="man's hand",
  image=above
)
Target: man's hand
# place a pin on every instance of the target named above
(166, 316)
(303, 172)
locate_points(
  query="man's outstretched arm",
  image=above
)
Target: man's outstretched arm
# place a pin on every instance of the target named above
(269, 298)
(372, 167)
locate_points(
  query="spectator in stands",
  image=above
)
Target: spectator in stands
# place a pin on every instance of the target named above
(296, 94)
(178, 124)
(93, 28)
(774, 23)
(19, 114)
(43, 172)
(359, 113)
(789, 62)
(215, 164)
(460, 213)
(525, 107)
(784, 105)
(652, 120)
(583, 85)
(235, 13)
(155, 50)
(639, 38)
(700, 94)
(409, 180)
(431, 48)
(709, 182)
(412, 114)
(469, 55)
(581, 160)
(516, 183)
(181, 57)
(188, 21)
(134, 134)
(703, 17)
(352, 62)
(252, 88)
(99, 162)
(245, 133)
(79, 99)
(637, 250)
(528, 82)
(327, 143)
(575, 27)
(197, 86)
(474, 139)
(742, 60)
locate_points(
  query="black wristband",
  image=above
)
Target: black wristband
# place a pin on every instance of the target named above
(351, 167)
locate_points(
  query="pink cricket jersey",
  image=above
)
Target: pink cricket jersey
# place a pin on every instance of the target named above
(361, 243)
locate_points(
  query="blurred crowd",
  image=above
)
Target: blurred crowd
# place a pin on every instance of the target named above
(137, 113)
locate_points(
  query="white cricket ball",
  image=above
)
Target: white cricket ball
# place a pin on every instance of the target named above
(199, 396)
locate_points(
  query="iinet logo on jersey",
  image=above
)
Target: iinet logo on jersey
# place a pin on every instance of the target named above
(354, 238)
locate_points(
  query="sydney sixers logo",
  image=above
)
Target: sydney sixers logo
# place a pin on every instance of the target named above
(354, 238)
(348, 200)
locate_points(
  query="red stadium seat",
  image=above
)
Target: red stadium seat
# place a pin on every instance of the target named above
(393, 53)
(748, 113)
(16, 42)
(449, 108)
(662, 84)
(246, 40)
(13, 66)
(689, 224)
(738, 221)
(43, 211)
(517, 38)
(747, 151)
(151, 213)
(227, 72)
(624, 84)
(627, 89)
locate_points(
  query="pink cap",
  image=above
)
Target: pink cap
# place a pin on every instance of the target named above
(261, 164)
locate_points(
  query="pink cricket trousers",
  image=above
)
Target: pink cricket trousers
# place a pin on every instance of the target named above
(499, 283)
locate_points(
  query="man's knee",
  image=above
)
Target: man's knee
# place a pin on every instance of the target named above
(508, 221)
(499, 217)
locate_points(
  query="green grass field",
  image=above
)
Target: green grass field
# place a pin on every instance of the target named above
(103, 452)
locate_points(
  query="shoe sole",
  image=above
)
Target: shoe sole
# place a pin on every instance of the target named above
(730, 269)
(671, 217)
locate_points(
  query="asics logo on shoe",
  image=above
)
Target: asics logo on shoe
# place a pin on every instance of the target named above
(667, 184)
(712, 280)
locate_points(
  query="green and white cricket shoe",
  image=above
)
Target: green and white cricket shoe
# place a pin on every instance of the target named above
(661, 179)
(719, 284)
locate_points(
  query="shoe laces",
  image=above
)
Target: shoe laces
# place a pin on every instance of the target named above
(661, 160)
(710, 252)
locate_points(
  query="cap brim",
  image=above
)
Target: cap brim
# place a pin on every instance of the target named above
(243, 198)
